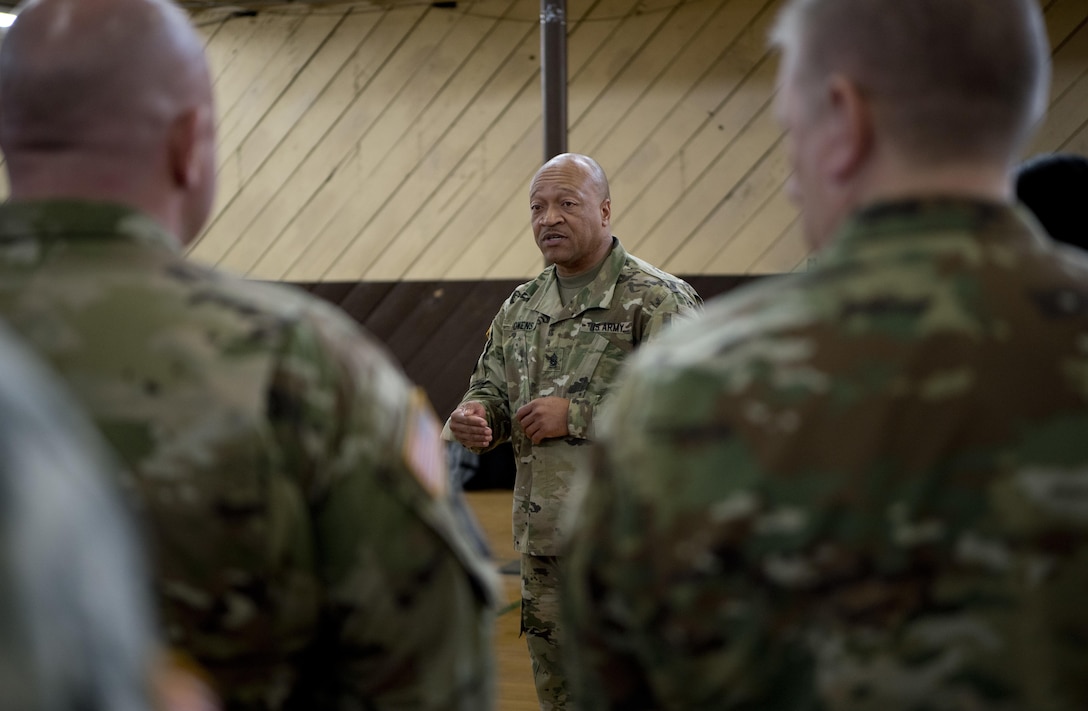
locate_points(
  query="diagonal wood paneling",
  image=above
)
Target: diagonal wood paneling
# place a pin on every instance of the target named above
(595, 44)
(338, 86)
(376, 212)
(396, 143)
(507, 152)
(1068, 29)
(411, 134)
(449, 178)
(617, 99)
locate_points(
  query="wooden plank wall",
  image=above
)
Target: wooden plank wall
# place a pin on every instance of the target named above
(436, 329)
(388, 144)
(392, 143)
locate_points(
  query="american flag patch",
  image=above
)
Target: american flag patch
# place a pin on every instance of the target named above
(424, 452)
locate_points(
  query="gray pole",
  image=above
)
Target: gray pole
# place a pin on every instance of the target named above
(553, 75)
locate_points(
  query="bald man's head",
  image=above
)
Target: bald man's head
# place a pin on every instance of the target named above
(95, 70)
(577, 161)
(101, 83)
(571, 212)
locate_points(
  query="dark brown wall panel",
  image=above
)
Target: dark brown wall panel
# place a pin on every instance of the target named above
(436, 329)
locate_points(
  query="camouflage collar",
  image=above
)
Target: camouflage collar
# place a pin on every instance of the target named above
(597, 294)
(932, 224)
(77, 219)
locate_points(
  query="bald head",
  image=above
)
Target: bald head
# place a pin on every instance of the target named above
(571, 211)
(946, 78)
(103, 86)
(85, 71)
(577, 163)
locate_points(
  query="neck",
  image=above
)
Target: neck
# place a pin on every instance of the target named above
(982, 181)
(44, 176)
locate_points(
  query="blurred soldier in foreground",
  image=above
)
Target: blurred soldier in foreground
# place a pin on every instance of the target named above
(292, 481)
(863, 487)
(75, 618)
(552, 354)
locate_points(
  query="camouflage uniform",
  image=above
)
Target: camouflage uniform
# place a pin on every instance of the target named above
(75, 617)
(537, 347)
(291, 479)
(858, 488)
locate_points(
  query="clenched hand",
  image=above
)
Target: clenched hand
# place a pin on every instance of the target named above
(544, 418)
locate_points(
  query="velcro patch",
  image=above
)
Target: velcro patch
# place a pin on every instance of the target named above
(423, 450)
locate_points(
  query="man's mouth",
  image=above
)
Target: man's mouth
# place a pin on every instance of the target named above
(552, 238)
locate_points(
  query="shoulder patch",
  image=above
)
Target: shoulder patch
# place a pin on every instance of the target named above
(423, 450)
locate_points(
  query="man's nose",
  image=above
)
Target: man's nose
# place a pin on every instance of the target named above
(550, 216)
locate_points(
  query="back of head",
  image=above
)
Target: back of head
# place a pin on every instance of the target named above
(948, 79)
(87, 72)
(1054, 187)
(590, 168)
(109, 100)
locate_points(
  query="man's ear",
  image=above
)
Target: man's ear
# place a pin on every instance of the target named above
(184, 148)
(850, 125)
(606, 211)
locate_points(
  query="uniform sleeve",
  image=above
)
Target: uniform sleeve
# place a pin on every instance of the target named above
(680, 304)
(580, 416)
(488, 385)
(406, 602)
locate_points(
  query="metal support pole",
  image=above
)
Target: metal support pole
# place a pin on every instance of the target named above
(553, 75)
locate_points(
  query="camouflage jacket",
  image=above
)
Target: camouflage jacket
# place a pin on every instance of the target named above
(289, 475)
(536, 347)
(863, 487)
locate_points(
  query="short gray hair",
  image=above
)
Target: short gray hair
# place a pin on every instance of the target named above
(949, 78)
